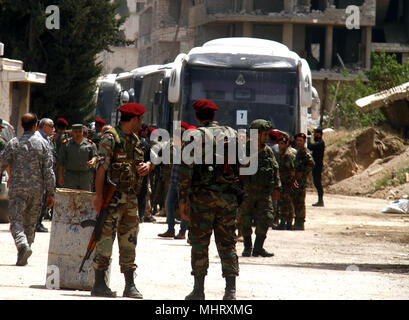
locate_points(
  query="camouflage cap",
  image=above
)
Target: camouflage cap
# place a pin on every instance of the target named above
(261, 124)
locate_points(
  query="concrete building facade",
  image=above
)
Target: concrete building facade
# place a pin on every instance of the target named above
(316, 29)
(15, 84)
(124, 58)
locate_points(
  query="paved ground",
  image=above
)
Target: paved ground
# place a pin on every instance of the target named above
(350, 250)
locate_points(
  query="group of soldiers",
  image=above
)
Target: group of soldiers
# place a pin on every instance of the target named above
(213, 197)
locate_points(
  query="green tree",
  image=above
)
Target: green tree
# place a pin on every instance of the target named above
(386, 72)
(67, 55)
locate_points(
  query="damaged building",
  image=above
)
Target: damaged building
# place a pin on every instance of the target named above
(315, 29)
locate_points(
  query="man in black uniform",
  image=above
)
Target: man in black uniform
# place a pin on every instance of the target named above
(317, 147)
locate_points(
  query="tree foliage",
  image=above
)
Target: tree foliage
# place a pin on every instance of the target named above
(386, 72)
(67, 55)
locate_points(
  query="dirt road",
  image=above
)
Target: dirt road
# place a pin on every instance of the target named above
(350, 250)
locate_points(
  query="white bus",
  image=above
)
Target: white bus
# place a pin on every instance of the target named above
(248, 79)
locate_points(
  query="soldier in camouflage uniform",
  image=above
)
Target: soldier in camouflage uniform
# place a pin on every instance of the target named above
(209, 204)
(260, 189)
(303, 167)
(121, 160)
(96, 134)
(76, 158)
(288, 184)
(45, 129)
(31, 172)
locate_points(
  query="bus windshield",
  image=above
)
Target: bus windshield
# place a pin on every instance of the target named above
(243, 96)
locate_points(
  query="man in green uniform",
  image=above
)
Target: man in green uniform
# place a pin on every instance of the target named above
(77, 156)
(288, 183)
(121, 163)
(303, 167)
(260, 188)
(209, 204)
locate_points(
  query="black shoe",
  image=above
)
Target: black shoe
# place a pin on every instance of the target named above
(299, 225)
(247, 247)
(167, 234)
(100, 289)
(230, 290)
(198, 289)
(149, 219)
(318, 204)
(23, 254)
(130, 289)
(258, 248)
(41, 228)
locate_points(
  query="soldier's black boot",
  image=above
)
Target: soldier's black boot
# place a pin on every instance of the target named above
(23, 254)
(100, 288)
(258, 248)
(130, 289)
(320, 202)
(198, 289)
(299, 224)
(248, 245)
(230, 290)
(283, 223)
(289, 224)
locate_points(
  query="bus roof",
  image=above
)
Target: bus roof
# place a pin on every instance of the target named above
(245, 46)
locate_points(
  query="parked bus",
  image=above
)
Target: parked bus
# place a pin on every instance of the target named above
(248, 79)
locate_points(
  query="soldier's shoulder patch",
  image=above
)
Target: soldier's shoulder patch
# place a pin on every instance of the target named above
(65, 141)
(90, 141)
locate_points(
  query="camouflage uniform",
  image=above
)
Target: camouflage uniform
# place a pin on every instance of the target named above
(259, 188)
(303, 166)
(287, 177)
(119, 154)
(74, 157)
(31, 171)
(95, 136)
(213, 207)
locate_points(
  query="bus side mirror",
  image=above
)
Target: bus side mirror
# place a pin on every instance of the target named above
(123, 97)
(305, 84)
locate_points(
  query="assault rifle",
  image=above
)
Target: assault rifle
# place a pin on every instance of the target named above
(101, 216)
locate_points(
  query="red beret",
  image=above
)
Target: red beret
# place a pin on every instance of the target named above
(204, 105)
(151, 129)
(301, 134)
(99, 120)
(273, 134)
(284, 139)
(132, 108)
(191, 128)
(185, 125)
(63, 121)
